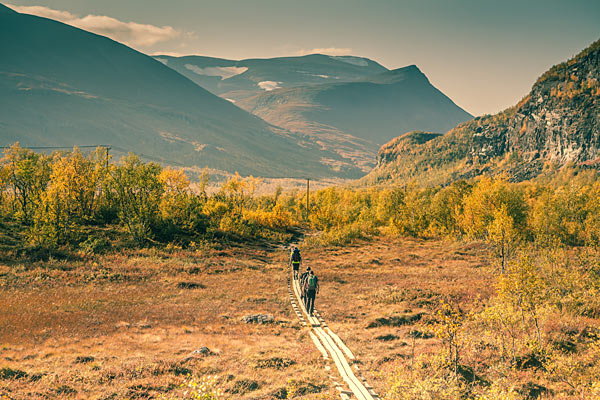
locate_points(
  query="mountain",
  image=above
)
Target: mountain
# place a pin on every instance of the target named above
(357, 117)
(347, 105)
(62, 86)
(236, 80)
(556, 124)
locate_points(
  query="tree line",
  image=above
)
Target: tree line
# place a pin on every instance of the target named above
(55, 196)
(60, 198)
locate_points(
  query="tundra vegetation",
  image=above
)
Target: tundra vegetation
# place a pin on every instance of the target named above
(520, 321)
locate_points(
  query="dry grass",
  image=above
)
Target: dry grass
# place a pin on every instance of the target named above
(122, 325)
(379, 297)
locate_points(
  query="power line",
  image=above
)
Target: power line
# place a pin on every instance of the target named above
(103, 146)
(57, 147)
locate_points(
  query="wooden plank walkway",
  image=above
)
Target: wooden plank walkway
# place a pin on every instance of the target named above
(331, 347)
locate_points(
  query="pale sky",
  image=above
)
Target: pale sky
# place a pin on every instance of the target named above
(483, 54)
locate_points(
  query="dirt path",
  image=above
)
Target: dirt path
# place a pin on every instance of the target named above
(333, 349)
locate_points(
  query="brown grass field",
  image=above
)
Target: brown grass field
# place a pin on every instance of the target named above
(122, 325)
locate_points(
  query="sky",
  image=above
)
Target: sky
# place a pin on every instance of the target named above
(485, 55)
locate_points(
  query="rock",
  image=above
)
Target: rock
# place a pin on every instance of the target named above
(198, 353)
(258, 319)
(122, 324)
(201, 351)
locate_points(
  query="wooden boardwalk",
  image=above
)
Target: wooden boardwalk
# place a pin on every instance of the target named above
(333, 349)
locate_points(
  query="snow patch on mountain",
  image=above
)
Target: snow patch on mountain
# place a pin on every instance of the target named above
(361, 62)
(162, 60)
(269, 85)
(223, 72)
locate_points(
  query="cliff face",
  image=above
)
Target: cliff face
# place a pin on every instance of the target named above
(557, 122)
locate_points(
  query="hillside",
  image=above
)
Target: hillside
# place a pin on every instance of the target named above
(62, 86)
(238, 79)
(359, 116)
(556, 124)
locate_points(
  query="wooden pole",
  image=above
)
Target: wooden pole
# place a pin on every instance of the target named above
(307, 198)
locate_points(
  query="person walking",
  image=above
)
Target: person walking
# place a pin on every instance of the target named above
(302, 282)
(295, 260)
(311, 291)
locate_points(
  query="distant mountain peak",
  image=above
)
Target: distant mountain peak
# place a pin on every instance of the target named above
(411, 72)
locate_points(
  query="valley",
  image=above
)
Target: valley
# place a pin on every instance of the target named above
(150, 197)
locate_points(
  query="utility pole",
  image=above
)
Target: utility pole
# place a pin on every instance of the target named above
(107, 150)
(307, 198)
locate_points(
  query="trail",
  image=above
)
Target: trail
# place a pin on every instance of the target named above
(332, 348)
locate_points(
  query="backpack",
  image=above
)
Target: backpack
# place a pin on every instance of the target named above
(312, 282)
(296, 255)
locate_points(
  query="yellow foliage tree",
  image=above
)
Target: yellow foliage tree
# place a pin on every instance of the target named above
(27, 173)
(138, 192)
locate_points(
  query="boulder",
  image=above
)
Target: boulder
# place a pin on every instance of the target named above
(258, 319)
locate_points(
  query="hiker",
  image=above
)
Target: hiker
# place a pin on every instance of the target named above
(312, 288)
(302, 280)
(295, 260)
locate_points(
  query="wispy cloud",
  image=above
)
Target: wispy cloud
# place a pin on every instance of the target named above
(130, 33)
(330, 51)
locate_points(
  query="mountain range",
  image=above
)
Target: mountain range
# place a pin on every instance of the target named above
(62, 86)
(317, 115)
(348, 105)
(236, 80)
(556, 124)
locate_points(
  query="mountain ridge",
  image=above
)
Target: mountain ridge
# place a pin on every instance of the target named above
(238, 79)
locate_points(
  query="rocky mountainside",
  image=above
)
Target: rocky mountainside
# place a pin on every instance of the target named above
(557, 123)
(62, 86)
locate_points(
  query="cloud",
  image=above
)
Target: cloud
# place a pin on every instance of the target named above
(330, 51)
(130, 33)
